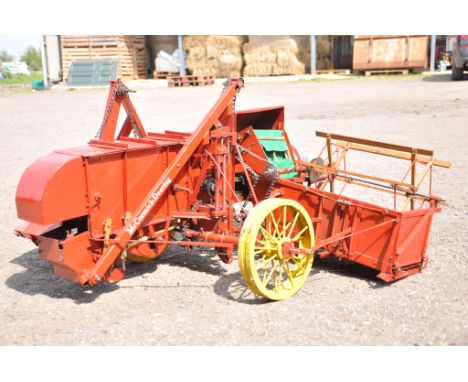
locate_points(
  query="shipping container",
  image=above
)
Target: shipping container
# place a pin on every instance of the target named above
(390, 52)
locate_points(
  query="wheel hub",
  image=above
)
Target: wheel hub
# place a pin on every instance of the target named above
(284, 248)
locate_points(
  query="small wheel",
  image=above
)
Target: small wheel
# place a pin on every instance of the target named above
(270, 235)
(144, 252)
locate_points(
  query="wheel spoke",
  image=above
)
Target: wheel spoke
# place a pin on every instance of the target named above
(290, 276)
(265, 248)
(275, 223)
(266, 279)
(275, 280)
(284, 221)
(280, 277)
(287, 226)
(298, 263)
(293, 224)
(266, 233)
(300, 233)
(265, 262)
(261, 242)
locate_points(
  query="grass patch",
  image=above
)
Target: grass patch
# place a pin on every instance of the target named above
(396, 76)
(21, 79)
(326, 79)
(365, 78)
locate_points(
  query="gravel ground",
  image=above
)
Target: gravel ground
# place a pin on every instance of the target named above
(194, 299)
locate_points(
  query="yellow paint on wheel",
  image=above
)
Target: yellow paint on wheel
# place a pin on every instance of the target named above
(242, 254)
(273, 226)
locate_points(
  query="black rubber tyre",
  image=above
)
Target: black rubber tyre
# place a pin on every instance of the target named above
(457, 73)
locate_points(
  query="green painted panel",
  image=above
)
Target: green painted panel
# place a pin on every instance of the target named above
(270, 141)
(276, 149)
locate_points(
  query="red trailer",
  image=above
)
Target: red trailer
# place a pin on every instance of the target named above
(235, 184)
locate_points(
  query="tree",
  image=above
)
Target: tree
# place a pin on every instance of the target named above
(5, 57)
(32, 57)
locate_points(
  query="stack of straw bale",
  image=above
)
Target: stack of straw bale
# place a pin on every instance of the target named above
(220, 56)
(271, 55)
(303, 50)
(324, 51)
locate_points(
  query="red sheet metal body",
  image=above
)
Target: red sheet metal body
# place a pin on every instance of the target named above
(391, 242)
(97, 183)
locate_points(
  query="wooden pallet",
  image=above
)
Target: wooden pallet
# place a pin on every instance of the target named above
(384, 71)
(334, 71)
(162, 75)
(173, 81)
(129, 51)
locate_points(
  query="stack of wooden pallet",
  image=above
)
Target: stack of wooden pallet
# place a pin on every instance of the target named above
(175, 81)
(130, 51)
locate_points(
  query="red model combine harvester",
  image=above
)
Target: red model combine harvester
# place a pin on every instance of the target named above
(234, 183)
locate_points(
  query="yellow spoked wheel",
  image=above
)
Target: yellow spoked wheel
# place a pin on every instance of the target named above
(268, 256)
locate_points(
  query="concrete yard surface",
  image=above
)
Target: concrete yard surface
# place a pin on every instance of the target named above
(195, 299)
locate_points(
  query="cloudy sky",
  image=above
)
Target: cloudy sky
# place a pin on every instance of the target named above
(15, 45)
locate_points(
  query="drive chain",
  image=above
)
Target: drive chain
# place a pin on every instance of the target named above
(255, 175)
(121, 89)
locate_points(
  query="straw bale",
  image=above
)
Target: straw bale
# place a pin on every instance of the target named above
(258, 69)
(303, 50)
(324, 51)
(266, 39)
(220, 56)
(271, 45)
(190, 42)
(271, 55)
(220, 42)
